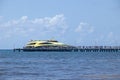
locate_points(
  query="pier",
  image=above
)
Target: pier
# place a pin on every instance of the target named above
(72, 49)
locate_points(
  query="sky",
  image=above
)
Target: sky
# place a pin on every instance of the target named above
(74, 22)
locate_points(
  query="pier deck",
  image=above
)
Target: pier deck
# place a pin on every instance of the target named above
(75, 49)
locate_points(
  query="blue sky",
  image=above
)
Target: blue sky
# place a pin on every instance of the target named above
(75, 22)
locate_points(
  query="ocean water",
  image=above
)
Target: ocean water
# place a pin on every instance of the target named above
(59, 65)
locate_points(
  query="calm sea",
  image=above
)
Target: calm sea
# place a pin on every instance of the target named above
(59, 66)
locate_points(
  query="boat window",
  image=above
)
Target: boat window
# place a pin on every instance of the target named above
(45, 43)
(31, 43)
(53, 41)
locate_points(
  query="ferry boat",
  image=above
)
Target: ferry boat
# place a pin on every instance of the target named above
(47, 45)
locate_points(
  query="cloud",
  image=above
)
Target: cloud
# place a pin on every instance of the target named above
(43, 28)
(50, 21)
(27, 27)
(56, 23)
(84, 33)
(84, 28)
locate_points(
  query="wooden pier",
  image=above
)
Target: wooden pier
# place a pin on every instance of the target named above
(73, 49)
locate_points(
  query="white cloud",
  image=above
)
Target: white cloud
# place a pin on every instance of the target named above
(84, 28)
(24, 18)
(25, 26)
(50, 21)
(56, 23)
(56, 26)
